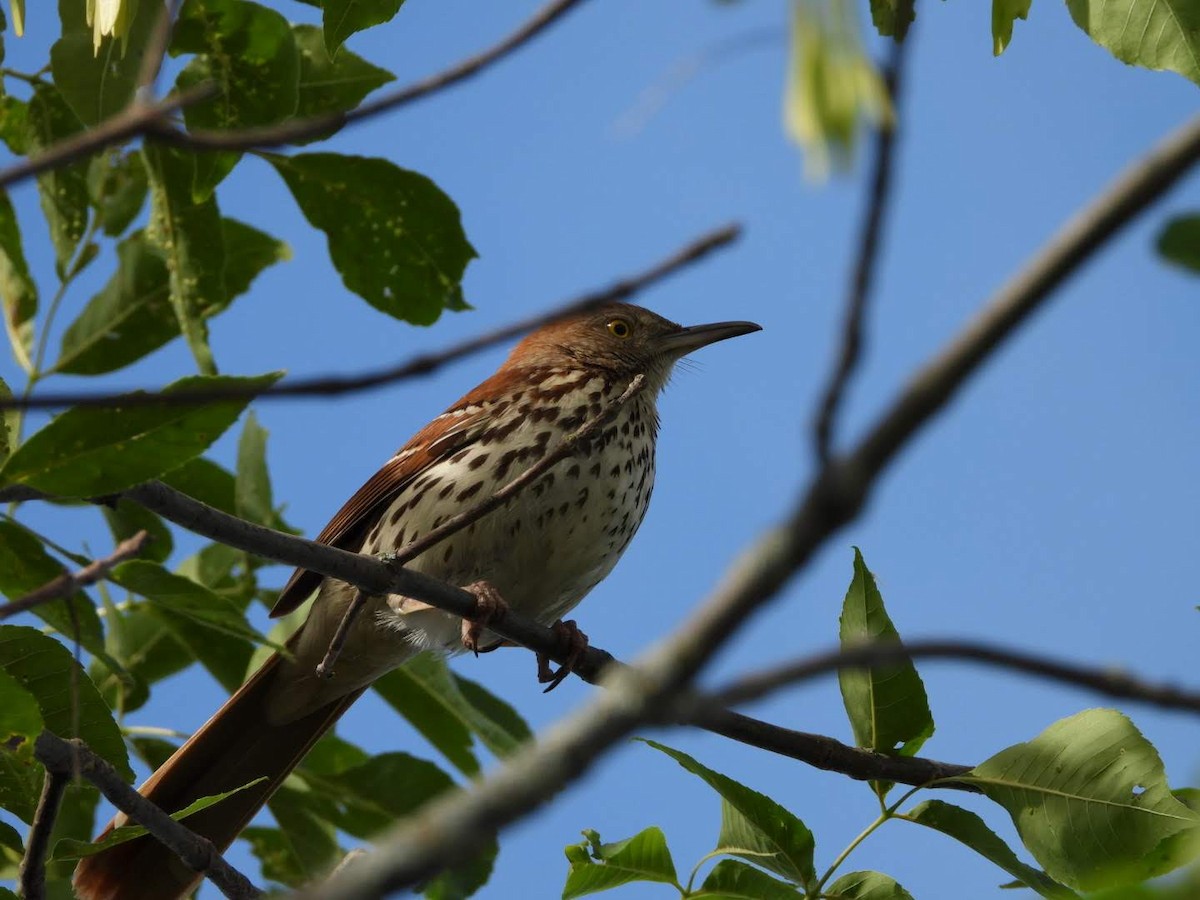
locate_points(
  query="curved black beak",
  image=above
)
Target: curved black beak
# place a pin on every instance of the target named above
(696, 336)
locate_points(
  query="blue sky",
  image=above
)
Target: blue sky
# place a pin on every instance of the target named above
(1052, 507)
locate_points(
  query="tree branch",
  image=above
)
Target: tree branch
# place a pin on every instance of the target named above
(424, 364)
(859, 293)
(31, 877)
(876, 654)
(265, 137)
(133, 121)
(66, 758)
(69, 582)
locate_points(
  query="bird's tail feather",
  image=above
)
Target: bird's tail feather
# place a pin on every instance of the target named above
(236, 746)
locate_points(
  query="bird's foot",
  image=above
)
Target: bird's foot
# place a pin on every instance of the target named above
(489, 607)
(574, 645)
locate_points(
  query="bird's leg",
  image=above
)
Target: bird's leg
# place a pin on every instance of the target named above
(489, 607)
(574, 643)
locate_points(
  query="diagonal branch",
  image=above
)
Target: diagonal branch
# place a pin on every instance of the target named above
(133, 121)
(31, 878)
(265, 137)
(872, 655)
(69, 582)
(66, 758)
(332, 385)
(859, 293)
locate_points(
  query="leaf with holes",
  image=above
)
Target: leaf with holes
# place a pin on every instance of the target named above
(394, 237)
(1089, 798)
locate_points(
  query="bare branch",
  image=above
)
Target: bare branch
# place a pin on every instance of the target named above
(31, 878)
(872, 655)
(64, 758)
(156, 50)
(859, 293)
(459, 521)
(69, 582)
(424, 364)
(130, 123)
(268, 136)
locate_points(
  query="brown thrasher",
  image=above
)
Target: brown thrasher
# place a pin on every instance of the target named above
(542, 551)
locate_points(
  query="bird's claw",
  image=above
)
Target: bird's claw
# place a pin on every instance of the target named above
(574, 643)
(489, 607)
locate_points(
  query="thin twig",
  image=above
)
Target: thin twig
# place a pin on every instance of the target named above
(265, 137)
(873, 655)
(459, 521)
(69, 582)
(424, 364)
(156, 51)
(31, 877)
(859, 293)
(130, 123)
(59, 757)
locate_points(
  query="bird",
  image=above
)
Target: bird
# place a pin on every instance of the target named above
(538, 555)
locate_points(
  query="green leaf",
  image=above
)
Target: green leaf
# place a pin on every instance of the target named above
(309, 847)
(892, 17)
(133, 315)
(146, 648)
(755, 827)
(70, 704)
(643, 857)
(117, 188)
(211, 627)
(394, 237)
(99, 83)
(734, 880)
(66, 849)
(20, 724)
(332, 85)
(1089, 798)
(867, 886)
(126, 518)
(1154, 34)
(963, 825)
(189, 234)
(25, 566)
(252, 489)
(205, 481)
(248, 51)
(87, 452)
(448, 711)
(887, 706)
(63, 189)
(12, 849)
(8, 424)
(15, 130)
(18, 293)
(344, 17)
(333, 755)
(153, 751)
(1004, 13)
(1178, 242)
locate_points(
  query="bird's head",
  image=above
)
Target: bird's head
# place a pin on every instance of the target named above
(622, 339)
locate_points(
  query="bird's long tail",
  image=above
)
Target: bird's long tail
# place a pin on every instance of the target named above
(236, 746)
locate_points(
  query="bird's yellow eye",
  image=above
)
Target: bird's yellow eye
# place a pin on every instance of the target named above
(619, 328)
